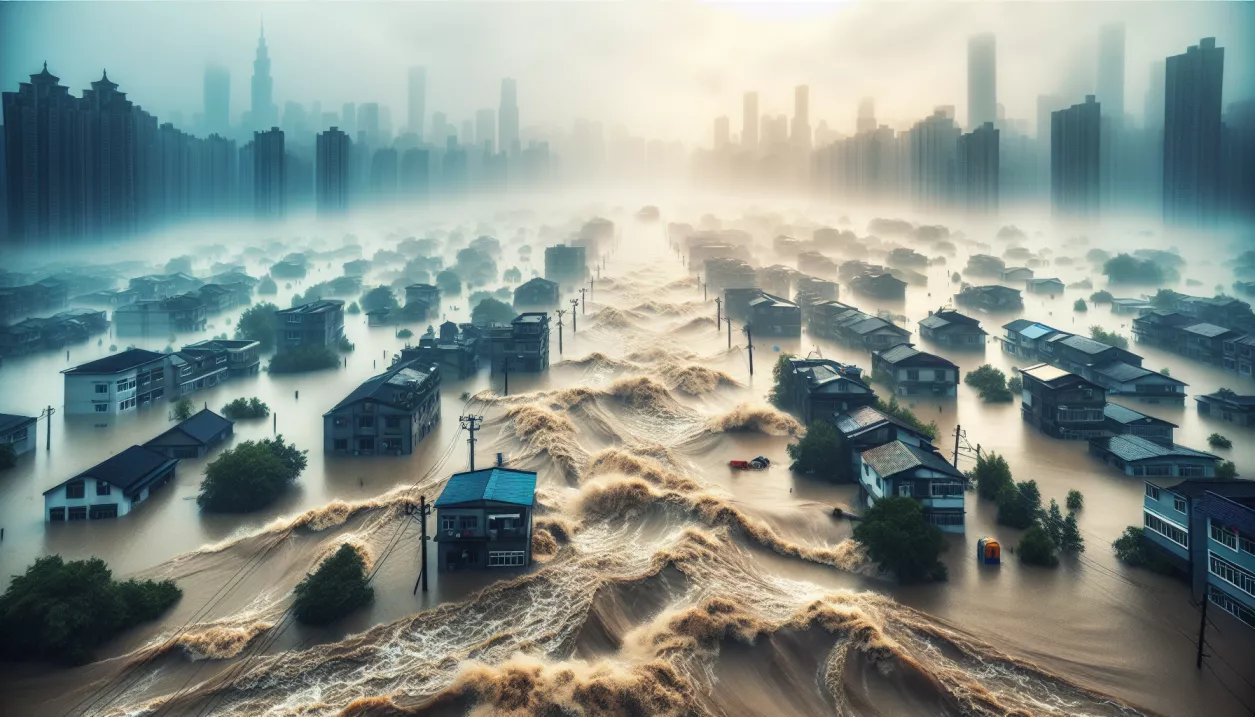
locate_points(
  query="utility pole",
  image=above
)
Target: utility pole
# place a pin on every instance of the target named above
(590, 286)
(48, 433)
(561, 313)
(728, 320)
(575, 303)
(583, 304)
(718, 311)
(1202, 626)
(471, 423)
(505, 371)
(704, 292)
(749, 346)
(957, 432)
(424, 510)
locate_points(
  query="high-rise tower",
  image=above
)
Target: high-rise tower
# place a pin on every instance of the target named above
(508, 118)
(417, 99)
(264, 112)
(749, 120)
(982, 80)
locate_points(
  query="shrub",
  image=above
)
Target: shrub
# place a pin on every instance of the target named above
(380, 297)
(250, 475)
(902, 413)
(822, 450)
(346, 346)
(183, 410)
(1110, 338)
(404, 334)
(1216, 440)
(1064, 532)
(1131, 549)
(1126, 269)
(244, 408)
(992, 475)
(1226, 471)
(1019, 505)
(1101, 296)
(449, 283)
(512, 275)
(991, 382)
(492, 311)
(1165, 371)
(1075, 500)
(1015, 384)
(354, 308)
(8, 456)
(267, 286)
(62, 610)
(781, 394)
(896, 535)
(337, 588)
(258, 324)
(1036, 548)
(303, 358)
(1079, 305)
(955, 278)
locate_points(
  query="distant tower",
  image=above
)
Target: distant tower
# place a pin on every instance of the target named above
(982, 80)
(749, 120)
(269, 175)
(1192, 134)
(1075, 159)
(332, 172)
(1111, 71)
(866, 115)
(368, 122)
(486, 130)
(801, 130)
(217, 100)
(264, 111)
(418, 99)
(508, 118)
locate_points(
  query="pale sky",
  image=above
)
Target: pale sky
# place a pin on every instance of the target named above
(663, 69)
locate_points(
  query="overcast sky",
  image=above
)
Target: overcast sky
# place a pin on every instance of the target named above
(662, 69)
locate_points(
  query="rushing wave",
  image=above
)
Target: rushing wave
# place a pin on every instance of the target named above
(695, 379)
(759, 419)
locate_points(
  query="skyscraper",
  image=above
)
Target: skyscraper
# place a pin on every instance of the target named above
(383, 173)
(217, 99)
(800, 133)
(1075, 158)
(368, 122)
(722, 132)
(348, 119)
(264, 112)
(1192, 134)
(486, 130)
(749, 120)
(332, 172)
(1111, 72)
(932, 146)
(1154, 107)
(508, 118)
(439, 129)
(978, 169)
(866, 116)
(417, 99)
(109, 159)
(269, 174)
(982, 80)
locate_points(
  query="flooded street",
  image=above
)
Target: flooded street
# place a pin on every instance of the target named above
(677, 585)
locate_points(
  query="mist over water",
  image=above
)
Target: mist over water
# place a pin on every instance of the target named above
(663, 583)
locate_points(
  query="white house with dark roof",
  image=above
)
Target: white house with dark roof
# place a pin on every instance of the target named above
(918, 472)
(18, 432)
(866, 427)
(111, 488)
(117, 383)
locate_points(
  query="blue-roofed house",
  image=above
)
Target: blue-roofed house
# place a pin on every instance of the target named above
(918, 472)
(195, 437)
(1142, 457)
(484, 520)
(1023, 337)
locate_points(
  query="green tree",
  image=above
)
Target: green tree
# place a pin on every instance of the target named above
(8, 456)
(512, 275)
(1126, 269)
(1036, 548)
(821, 451)
(992, 475)
(1111, 338)
(258, 324)
(1164, 299)
(902, 413)
(302, 359)
(991, 382)
(1052, 522)
(380, 297)
(1226, 471)
(1080, 305)
(353, 308)
(1075, 500)
(267, 286)
(1101, 296)
(1216, 440)
(896, 535)
(337, 588)
(449, 283)
(243, 408)
(492, 311)
(1131, 549)
(1019, 506)
(183, 409)
(1015, 384)
(62, 611)
(782, 389)
(250, 476)
(1070, 540)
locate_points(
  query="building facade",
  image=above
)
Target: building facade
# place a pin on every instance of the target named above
(111, 488)
(320, 323)
(118, 383)
(1062, 404)
(389, 414)
(1075, 158)
(484, 520)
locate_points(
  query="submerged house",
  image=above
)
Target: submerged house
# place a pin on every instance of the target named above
(1138, 456)
(918, 472)
(1125, 421)
(866, 427)
(536, 293)
(195, 437)
(912, 372)
(822, 388)
(773, 316)
(1050, 286)
(880, 286)
(484, 520)
(1062, 404)
(990, 298)
(951, 328)
(1228, 406)
(456, 352)
(1177, 527)
(388, 414)
(18, 432)
(111, 488)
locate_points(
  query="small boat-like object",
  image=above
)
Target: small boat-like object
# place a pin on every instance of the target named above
(756, 464)
(988, 552)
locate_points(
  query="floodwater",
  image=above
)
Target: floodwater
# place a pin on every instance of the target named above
(664, 583)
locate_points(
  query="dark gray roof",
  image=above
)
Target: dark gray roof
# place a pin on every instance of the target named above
(1136, 448)
(1125, 415)
(868, 325)
(933, 322)
(1018, 325)
(863, 418)
(908, 355)
(1084, 344)
(1239, 488)
(373, 387)
(1122, 372)
(121, 361)
(202, 427)
(1210, 331)
(897, 457)
(128, 468)
(1044, 280)
(9, 421)
(314, 307)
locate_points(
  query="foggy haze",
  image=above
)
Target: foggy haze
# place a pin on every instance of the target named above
(659, 69)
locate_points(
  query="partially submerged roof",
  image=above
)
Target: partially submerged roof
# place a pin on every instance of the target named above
(1126, 416)
(857, 421)
(500, 485)
(896, 457)
(1046, 373)
(1206, 330)
(1126, 372)
(381, 387)
(1136, 448)
(200, 428)
(908, 355)
(9, 421)
(1085, 344)
(121, 361)
(126, 469)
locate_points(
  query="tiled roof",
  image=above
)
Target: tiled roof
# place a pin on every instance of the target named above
(9, 421)
(1045, 373)
(398, 375)
(502, 485)
(121, 361)
(857, 420)
(1085, 345)
(1136, 448)
(1125, 415)
(1206, 330)
(896, 457)
(204, 425)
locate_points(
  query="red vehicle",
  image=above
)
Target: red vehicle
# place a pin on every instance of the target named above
(757, 464)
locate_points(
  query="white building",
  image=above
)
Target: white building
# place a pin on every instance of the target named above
(917, 472)
(18, 432)
(110, 489)
(117, 383)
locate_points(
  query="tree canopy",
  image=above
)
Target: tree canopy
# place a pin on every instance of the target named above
(242, 408)
(303, 358)
(62, 611)
(896, 535)
(250, 475)
(380, 297)
(1127, 269)
(492, 311)
(449, 283)
(338, 587)
(258, 324)
(821, 451)
(991, 382)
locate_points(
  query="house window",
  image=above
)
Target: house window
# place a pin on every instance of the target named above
(101, 407)
(1231, 606)
(467, 522)
(1224, 535)
(57, 514)
(75, 489)
(125, 385)
(1190, 471)
(1246, 544)
(341, 421)
(126, 404)
(109, 510)
(505, 558)
(1228, 572)
(102, 388)
(365, 421)
(939, 375)
(392, 422)
(341, 444)
(448, 522)
(912, 374)
(221, 360)
(294, 335)
(946, 490)
(1152, 491)
(905, 490)
(79, 513)
(392, 444)
(365, 444)
(1179, 503)
(1168, 530)
(1159, 470)
(944, 517)
(103, 488)
(294, 318)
